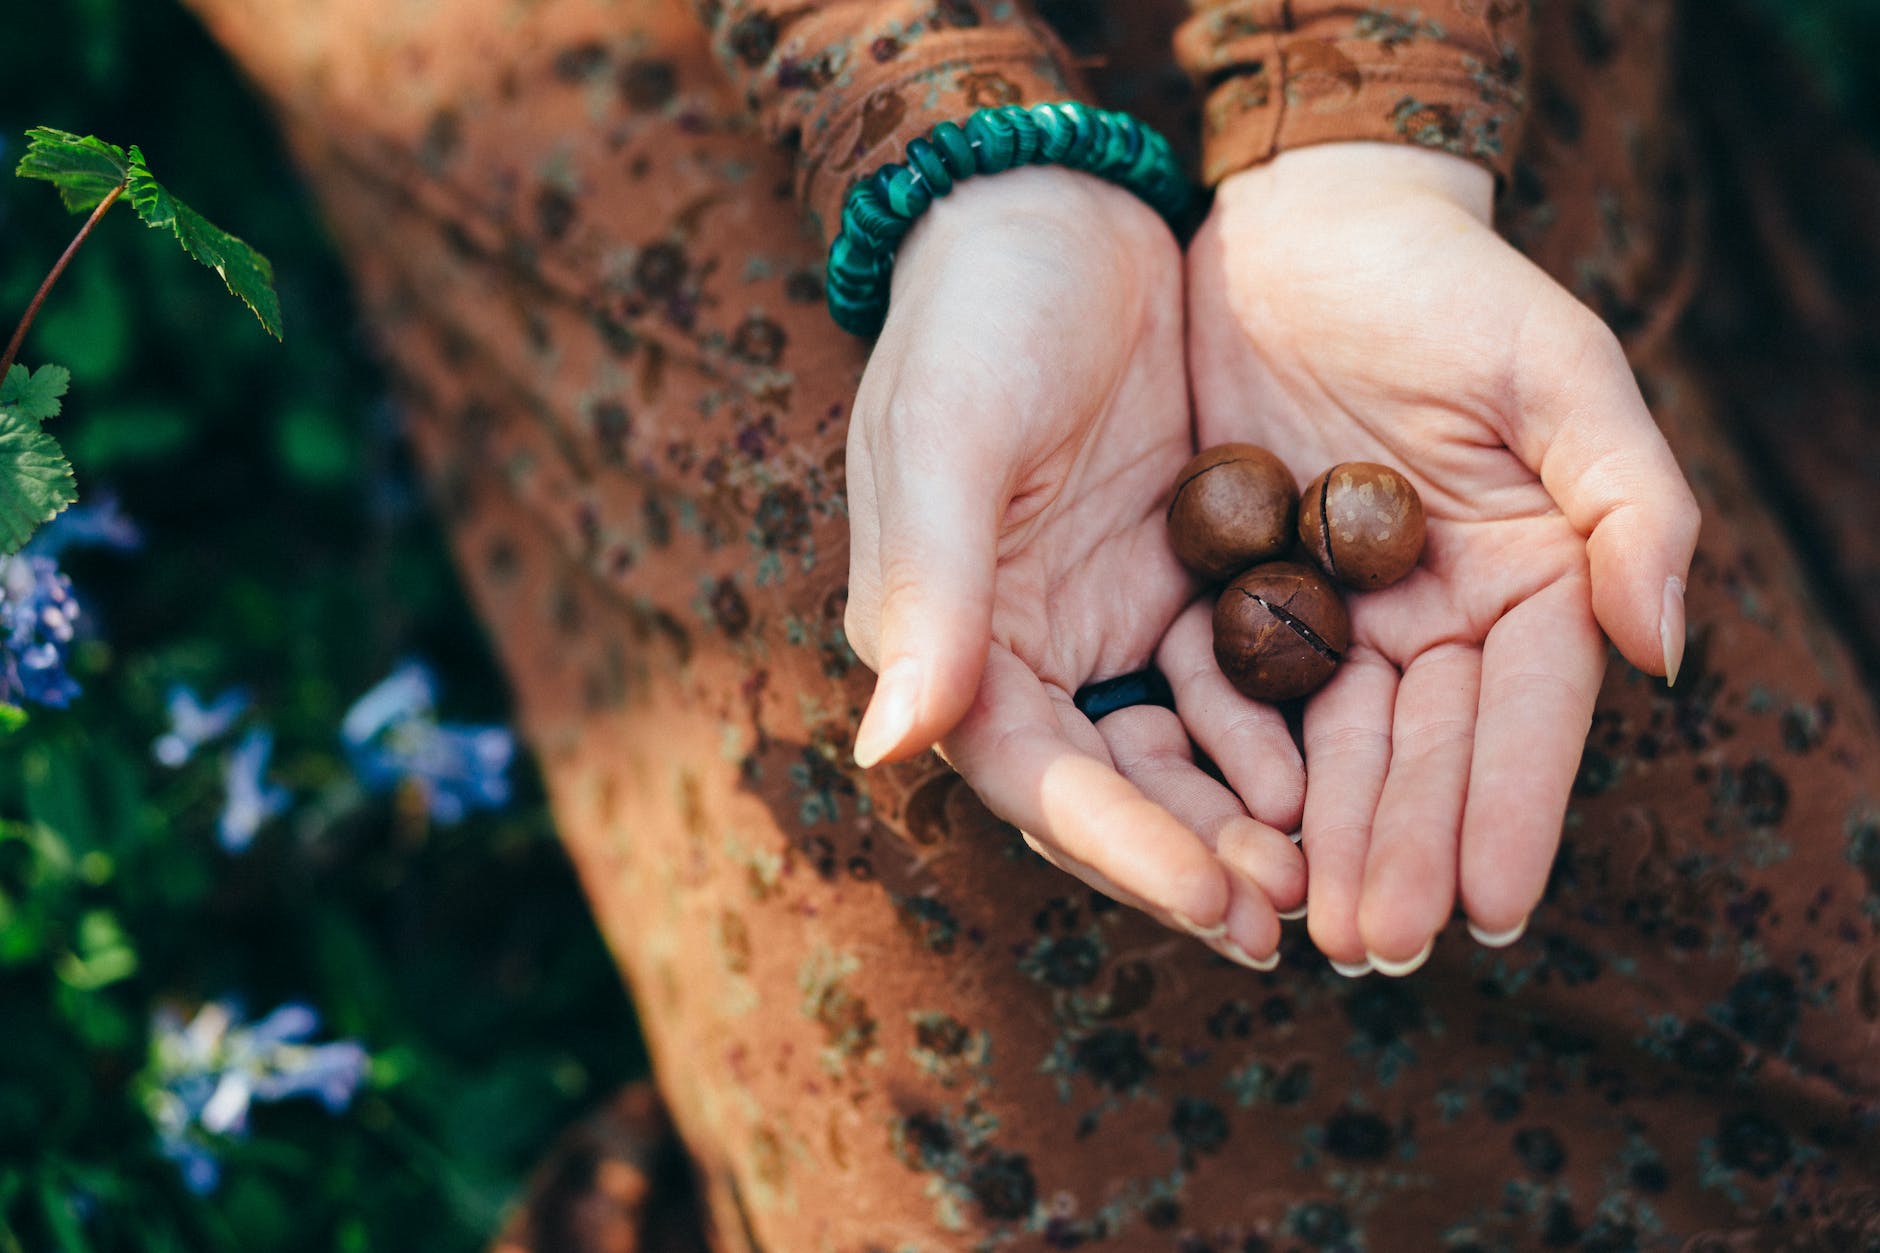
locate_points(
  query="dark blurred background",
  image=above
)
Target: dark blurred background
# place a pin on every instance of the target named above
(286, 549)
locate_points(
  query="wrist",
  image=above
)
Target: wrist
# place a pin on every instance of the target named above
(1032, 207)
(883, 209)
(1362, 172)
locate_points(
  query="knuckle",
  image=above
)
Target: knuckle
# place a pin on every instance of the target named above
(904, 580)
(1437, 737)
(1533, 689)
(861, 627)
(1685, 516)
(1348, 741)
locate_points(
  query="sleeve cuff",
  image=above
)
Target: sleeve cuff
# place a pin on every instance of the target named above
(1276, 80)
(869, 115)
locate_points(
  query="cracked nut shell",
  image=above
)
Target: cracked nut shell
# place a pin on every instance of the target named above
(1363, 523)
(1234, 505)
(1279, 631)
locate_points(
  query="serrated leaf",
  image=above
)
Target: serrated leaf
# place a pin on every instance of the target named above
(35, 479)
(35, 394)
(83, 167)
(248, 274)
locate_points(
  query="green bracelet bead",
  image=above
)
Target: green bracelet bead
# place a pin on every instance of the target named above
(1025, 134)
(1058, 132)
(1142, 157)
(851, 260)
(924, 159)
(865, 216)
(905, 195)
(880, 210)
(993, 140)
(851, 293)
(956, 150)
(1117, 147)
(1097, 144)
(1125, 152)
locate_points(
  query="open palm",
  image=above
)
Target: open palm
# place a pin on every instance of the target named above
(1023, 414)
(1351, 303)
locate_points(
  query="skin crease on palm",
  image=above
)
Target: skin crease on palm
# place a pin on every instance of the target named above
(1015, 435)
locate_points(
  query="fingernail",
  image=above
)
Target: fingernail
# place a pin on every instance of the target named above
(1198, 931)
(890, 713)
(1398, 970)
(1293, 915)
(1498, 939)
(1233, 952)
(1352, 970)
(1671, 628)
(1295, 836)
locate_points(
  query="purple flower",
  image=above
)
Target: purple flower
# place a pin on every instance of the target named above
(98, 525)
(251, 801)
(206, 1074)
(193, 724)
(38, 614)
(392, 737)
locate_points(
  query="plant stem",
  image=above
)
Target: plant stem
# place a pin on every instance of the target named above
(39, 297)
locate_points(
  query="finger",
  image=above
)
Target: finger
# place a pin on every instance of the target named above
(937, 503)
(1242, 913)
(1348, 746)
(1013, 750)
(1582, 425)
(1249, 741)
(1541, 671)
(1410, 869)
(1150, 748)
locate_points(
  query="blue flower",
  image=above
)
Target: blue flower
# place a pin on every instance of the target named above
(393, 738)
(98, 525)
(193, 724)
(38, 614)
(206, 1074)
(251, 801)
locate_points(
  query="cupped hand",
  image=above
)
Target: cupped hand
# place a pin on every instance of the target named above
(1019, 423)
(1350, 302)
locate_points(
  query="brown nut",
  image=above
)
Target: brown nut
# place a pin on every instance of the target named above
(1233, 506)
(1279, 631)
(1363, 523)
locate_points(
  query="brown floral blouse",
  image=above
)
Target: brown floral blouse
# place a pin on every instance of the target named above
(880, 1024)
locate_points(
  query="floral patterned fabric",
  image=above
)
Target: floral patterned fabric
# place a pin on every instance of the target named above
(880, 1024)
(1287, 73)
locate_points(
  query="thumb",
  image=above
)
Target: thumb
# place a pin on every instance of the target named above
(938, 503)
(1606, 464)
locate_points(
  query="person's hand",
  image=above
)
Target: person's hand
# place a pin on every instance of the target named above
(1350, 302)
(1019, 424)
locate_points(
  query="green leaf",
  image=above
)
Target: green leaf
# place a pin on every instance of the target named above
(35, 393)
(248, 274)
(35, 478)
(83, 167)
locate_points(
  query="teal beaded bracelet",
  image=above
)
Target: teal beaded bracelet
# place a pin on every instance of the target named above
(882, 208)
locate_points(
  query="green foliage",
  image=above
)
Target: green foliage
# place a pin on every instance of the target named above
(35, 478)
(247, 273)
(85, 169)
(286, 549)
(36, 394)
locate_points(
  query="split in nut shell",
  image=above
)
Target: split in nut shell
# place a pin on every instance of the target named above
(1363, 523)
(1280, 626)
